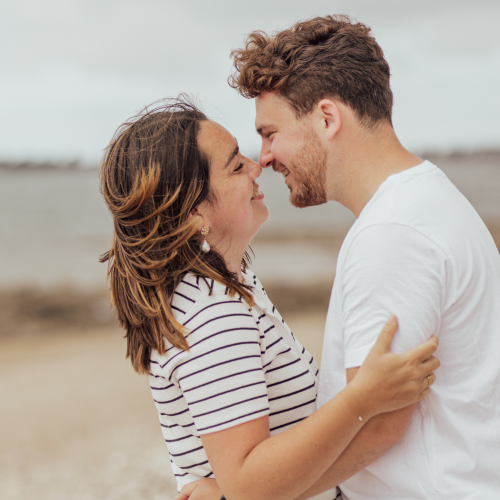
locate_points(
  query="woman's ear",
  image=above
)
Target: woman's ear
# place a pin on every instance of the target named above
(198, 212)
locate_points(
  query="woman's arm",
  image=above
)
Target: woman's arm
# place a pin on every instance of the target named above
(250, 464)
(358, 455)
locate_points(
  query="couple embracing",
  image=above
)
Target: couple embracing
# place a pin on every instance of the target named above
(242, 407)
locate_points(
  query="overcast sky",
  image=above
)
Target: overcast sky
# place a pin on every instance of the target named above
(73, 70)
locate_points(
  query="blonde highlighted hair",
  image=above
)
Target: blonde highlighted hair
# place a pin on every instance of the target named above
(152, 175)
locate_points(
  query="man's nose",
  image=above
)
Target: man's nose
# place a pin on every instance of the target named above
(266, 158)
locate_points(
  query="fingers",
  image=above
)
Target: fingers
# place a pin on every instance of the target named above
(431, 364)
(186, 491)
(387, 334)
(424, 393)
(425, 350)
(426, 385)
(203, 489)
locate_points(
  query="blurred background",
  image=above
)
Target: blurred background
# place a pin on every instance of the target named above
(76, 421)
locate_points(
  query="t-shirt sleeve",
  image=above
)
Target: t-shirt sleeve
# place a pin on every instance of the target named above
(221, 378)
(391, 268)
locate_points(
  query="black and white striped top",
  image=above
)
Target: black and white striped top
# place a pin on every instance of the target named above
(243, 363)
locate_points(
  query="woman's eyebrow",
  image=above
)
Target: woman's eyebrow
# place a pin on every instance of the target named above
(232, 155)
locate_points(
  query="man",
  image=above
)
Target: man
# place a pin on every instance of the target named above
(418, 249)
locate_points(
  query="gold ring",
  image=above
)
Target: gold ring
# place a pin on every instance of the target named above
(430, 380)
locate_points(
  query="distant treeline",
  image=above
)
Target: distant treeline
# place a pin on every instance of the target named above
(46, 165)
(484, 156)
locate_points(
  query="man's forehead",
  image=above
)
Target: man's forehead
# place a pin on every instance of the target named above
(269, 108)
(268, 99)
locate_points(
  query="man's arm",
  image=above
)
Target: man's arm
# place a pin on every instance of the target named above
(376, 438)
(372, 441)
(389, 269)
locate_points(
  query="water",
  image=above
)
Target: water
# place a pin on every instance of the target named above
(54, 225)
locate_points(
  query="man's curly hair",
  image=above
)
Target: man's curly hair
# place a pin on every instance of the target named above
(324, 57)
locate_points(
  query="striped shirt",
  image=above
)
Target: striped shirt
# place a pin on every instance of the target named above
(243, 363)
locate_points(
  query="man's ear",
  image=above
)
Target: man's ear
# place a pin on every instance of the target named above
(328, 112)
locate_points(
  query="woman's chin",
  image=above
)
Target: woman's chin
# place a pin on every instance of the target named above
(265, 215)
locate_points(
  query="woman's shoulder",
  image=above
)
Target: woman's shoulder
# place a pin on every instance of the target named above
(251, 279)
(209, 315)
(196, 292)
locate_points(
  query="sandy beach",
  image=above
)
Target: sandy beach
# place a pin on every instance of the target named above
(79, 423)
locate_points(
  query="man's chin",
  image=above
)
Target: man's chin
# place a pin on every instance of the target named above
(297, 202)
(305, 201)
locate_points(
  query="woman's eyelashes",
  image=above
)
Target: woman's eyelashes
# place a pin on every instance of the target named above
(239, 167)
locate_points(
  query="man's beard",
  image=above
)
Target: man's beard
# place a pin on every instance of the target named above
(309, 173)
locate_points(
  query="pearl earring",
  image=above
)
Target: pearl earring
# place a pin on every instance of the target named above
(205, 247)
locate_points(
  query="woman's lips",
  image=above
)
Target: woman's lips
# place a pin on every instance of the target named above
(257, 195)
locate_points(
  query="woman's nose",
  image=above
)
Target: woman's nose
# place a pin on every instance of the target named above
(256, 170)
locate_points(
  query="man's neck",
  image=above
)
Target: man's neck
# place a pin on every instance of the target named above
(370, 160)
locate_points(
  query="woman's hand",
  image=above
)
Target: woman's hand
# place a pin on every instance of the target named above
(203, 489)
(387, 381)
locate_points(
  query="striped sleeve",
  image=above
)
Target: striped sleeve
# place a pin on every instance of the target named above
(221, 378)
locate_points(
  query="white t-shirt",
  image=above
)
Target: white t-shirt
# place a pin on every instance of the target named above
(419, 250)
(243, 363)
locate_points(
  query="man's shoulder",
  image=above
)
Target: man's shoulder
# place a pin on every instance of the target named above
(424, 200)
(389, 248)
(409, 196)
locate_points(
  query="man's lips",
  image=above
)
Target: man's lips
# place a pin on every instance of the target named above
(282, 170)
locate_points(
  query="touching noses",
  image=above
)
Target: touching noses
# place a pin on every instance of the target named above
(266, 158)
(256, 170)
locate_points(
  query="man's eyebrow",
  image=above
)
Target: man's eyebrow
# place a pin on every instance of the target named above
(262, 127)
(232, 155)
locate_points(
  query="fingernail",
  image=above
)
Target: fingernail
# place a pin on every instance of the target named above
(392, 319)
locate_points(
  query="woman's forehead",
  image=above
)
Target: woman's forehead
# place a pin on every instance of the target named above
(217, 143)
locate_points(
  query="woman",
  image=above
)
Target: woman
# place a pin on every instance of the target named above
(235, 391)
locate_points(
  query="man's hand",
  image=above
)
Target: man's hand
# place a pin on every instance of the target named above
(203, 489)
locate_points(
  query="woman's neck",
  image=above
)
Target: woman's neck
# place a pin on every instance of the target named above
(233, 256)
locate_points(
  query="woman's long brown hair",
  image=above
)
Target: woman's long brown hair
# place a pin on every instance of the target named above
(152, 175)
